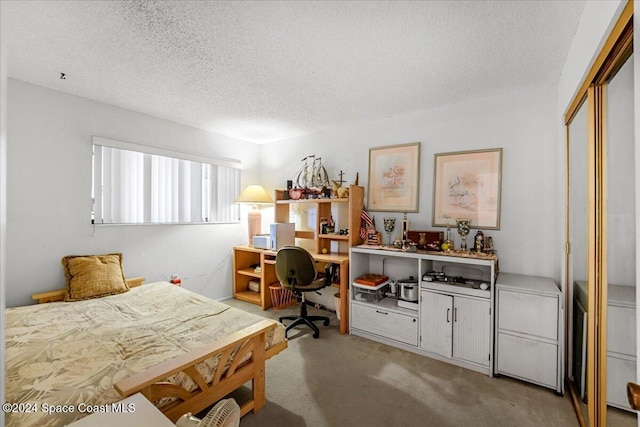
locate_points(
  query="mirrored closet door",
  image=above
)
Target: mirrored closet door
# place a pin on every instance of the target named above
(600, 267)
(619, 168)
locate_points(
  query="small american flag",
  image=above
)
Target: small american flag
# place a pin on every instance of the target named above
(366, 224)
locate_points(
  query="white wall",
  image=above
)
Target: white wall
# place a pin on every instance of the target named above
(48, 196)
(596, 22)
(522, 123)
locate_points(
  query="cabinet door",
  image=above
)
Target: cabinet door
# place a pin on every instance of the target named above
(471, 330)
(436, 320)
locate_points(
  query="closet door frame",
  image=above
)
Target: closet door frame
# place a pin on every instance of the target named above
(616, 50)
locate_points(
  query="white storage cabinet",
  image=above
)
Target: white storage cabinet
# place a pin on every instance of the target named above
(529, 329)
(621, 340)
(621, 344)
(451, 322)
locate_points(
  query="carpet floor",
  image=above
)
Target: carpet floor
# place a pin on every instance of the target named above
(344, 380)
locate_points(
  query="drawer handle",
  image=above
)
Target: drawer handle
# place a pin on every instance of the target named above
(381, 312)
(415, 320)
(448, 310)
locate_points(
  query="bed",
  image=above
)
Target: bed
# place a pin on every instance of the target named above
(181, 350)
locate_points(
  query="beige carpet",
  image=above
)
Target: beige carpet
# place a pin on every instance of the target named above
(343, 380)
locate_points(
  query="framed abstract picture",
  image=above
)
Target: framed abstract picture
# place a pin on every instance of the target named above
(467, 185)
(394, 178)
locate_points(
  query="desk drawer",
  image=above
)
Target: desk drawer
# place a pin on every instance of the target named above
(388, 324)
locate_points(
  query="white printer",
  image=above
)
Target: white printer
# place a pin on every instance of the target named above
(282, 234)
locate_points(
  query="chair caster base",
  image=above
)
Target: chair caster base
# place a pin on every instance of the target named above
(308, 320)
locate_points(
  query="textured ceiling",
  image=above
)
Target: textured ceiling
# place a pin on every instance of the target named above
(264, 71)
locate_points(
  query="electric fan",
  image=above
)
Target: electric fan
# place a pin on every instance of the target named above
(225, 413)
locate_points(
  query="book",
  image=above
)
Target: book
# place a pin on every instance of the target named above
(371, 279)
(254, 286)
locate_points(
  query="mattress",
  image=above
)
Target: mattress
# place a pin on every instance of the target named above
(71, 353)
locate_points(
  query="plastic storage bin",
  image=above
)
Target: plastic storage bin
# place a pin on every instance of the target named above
(368, 293)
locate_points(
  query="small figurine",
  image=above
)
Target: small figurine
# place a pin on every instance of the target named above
(479, 241)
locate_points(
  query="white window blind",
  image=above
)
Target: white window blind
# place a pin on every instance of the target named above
(132, 186)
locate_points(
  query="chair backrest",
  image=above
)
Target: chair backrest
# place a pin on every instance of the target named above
(295, 267)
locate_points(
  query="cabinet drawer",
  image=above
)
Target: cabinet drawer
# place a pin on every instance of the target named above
(621, 330)
(529, 314)
(619, 372)
(388, 324)
(528, 359)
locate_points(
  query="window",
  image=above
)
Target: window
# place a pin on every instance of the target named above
(136, 184)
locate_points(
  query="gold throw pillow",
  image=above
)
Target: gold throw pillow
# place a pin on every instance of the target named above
(93, 276)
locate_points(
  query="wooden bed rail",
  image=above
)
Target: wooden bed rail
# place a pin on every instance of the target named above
(232, 371)
(58, 294)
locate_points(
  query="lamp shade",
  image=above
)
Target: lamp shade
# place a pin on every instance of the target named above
(254, 194)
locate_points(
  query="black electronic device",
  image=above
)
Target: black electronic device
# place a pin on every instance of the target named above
(289, 187)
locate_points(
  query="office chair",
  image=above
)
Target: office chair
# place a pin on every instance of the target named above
(296, 270)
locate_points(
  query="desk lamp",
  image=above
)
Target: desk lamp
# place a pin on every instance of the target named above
(254, 194)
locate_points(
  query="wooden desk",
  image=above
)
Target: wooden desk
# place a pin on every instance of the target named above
(245, 255)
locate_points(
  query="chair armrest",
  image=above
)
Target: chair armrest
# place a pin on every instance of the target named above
(329, 273)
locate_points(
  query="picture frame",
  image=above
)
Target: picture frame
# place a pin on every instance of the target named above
(467, 185)
(394, 178)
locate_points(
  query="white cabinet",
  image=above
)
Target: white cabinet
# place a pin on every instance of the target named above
(436, 323)
(472, 330)
(621, 343)
(452, 322)
(529, 329)
(456, 327)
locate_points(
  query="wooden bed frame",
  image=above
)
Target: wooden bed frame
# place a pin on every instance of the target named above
(58, 294)
(232, 371)
(230, 374)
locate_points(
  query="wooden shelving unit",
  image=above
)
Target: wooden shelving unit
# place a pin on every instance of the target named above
(246, 256)
(355, 204)
(243, 258)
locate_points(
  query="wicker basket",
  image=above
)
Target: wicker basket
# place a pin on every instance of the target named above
(281, 297)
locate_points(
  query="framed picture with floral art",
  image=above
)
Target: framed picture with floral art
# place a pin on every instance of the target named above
(467, 185)
(394, 178)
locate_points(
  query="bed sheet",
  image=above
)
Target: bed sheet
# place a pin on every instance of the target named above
(71, 353)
